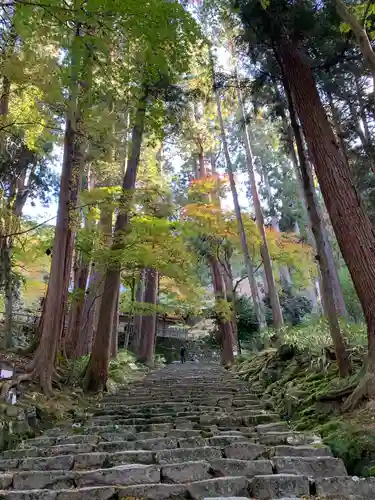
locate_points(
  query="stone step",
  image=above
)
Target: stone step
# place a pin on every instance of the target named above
(272, 427)
(207, 453)
(265, 487)
(300, 451)
(156, 491)
(233, 486)
(184, 432)
(244, 450)
(310, 466)
(235, 467)
(43, 442)
(288, 437)
(345, 488)
(121, 475)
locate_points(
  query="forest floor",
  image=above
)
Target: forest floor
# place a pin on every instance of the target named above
(306, 390)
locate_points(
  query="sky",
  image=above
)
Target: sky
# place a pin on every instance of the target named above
(35, 209)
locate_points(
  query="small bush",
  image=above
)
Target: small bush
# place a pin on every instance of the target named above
(124, 367)
(353, 444)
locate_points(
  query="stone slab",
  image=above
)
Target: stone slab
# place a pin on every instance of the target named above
(300, 451)
(127, 475)
(234, 467)
(187, 454)
(344, 487)
(222, 486)
(153, 491)
(185, 472)
(280, 486)
(38, 480)
(310, 466)
(244, 450)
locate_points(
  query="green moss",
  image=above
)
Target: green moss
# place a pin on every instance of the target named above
(303, 392)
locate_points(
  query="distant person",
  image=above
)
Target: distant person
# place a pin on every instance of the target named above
(182, 354)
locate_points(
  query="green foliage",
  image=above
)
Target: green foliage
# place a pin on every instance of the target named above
(295, 306)
(247, 324)
(314, 335)
(301, 382)
(124, 368)
(121, 370)
(353, 441)
(350, 296)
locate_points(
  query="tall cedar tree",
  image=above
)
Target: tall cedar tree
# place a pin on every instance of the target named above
(97, 369)
(353, 228)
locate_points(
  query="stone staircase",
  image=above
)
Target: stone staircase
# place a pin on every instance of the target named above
(185, 432)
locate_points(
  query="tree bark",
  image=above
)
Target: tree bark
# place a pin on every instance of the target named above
(97, 370)
(303, 163)
(276, 314)
(72, 339)
(148, 328)
(225, 323)
(115, 328)
(137, 324)
(353, 228)
(89, 312)
(42, 366)
(231, 295)
(53, 321)
(361, 36)
(316, 287)
(8, 295)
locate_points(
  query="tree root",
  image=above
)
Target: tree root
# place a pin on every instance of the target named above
(15, 382)
(340, 393)
(365, 389)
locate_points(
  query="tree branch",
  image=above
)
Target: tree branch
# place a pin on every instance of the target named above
(244, 277)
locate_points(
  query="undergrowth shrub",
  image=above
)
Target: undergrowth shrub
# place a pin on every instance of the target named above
(300, 381)
(120, 370)
(352, 302)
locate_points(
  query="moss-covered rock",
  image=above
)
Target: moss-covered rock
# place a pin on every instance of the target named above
(306, 390)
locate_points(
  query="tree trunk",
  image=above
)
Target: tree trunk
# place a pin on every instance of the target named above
(89, 312)
(97, 370)
(231, 296)
(8, 295)
(53, 321)
(42, 366)
(148, 329)
(361, 36)
(137, 324)
(345, 211)
(9, 40)
(277, 316)
(303, 163)
(115, 328)
(225, 323)
(72, 339)
(314, 290)
(336, 122)
(105, 224)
